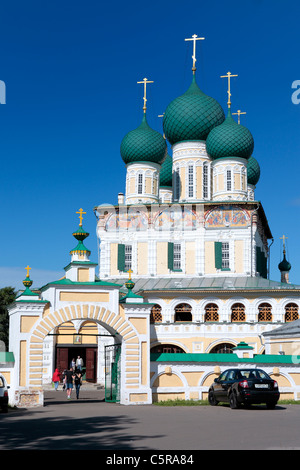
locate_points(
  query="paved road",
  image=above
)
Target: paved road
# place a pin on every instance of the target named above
(91, 424)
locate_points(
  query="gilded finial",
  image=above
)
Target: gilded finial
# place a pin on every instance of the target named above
(194, 38)
(80, 212)
(145, 81)
(238, 113)
(228, 76)
(27, 269)
(283, 238)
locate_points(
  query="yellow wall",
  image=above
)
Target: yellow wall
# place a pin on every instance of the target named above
(162, 257)
(209, 257)
(142, 258)
(114, 259)
(190, 257)
(239, 256)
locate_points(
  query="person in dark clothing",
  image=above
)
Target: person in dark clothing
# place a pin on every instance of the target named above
(70, 376)
(78, 381)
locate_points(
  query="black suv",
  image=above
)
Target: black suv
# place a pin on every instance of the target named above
(247, 386)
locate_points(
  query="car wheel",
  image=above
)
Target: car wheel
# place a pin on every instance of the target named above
(212, 399)
(233, 401)
(5, 409)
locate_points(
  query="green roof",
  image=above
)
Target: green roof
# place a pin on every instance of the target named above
(143, 145)
(165, 174)
(253, 171)
(222, 358)
(7, 357)
(191, 116)
(68, 282)
(230, 140)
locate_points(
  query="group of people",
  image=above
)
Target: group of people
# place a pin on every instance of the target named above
(70, 376)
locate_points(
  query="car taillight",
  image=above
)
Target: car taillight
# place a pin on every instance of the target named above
(275, 384)
(244, 384)
(6, 393)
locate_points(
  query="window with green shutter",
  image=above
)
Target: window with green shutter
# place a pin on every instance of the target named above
(121, 257)
(171, 256)
(218, 255)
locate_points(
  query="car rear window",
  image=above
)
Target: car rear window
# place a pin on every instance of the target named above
(1, 382)
(253, 374)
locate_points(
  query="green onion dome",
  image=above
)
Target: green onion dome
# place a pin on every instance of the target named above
(253, 171)
(284, 265)
(143, 145)
(191, 116)
(165, 174)
(230, 140)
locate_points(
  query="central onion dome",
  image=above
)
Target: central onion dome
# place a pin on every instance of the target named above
(165, 174)
(191, 116)
(143, 145)
(253, 171)
(230, 140)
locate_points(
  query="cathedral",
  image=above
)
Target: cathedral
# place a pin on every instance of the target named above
(182, 290)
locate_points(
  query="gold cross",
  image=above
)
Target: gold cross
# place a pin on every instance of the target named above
(145, 81)
(283, 238)
(239, 112)
(194, 38)
(130, 272)
(27, 269)
(80, 212)
(228, 75)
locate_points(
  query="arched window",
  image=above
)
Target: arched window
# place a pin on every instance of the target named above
(238, 313)
(205, 181)
(155, 315)
(166, 348)
(264, 312)
(211, 312)
(223, 348)
(183, 312)
(291, 312)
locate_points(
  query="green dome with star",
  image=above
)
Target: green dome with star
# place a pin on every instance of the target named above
(253, 171)
(165, 174)
(143, 145)
(230, 140)
(191, 116)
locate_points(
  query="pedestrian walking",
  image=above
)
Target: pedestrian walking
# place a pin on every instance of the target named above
(79, 363)
(69, 382)
(73, 364)
(78, 381)
(56, 378)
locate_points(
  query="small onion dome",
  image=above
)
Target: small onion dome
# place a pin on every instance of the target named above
(191, 116)
(143, 145)
(284, 265)
(230, 140)
(253, 171)
(80, 235)
(165, 174)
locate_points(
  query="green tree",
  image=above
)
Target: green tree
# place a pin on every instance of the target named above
(7, 296)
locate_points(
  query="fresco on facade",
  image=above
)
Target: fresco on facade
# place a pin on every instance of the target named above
(227, 217)
(136, 221)
(176, 219)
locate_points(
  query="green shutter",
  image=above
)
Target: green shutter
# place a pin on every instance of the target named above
(171, 256)
(121, 257)
(218, 255)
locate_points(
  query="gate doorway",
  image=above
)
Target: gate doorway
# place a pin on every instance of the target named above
(112, 373)
(65, 354)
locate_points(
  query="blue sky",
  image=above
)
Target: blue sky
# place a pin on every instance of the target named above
(70, 70)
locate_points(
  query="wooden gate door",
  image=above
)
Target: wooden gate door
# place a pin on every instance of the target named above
(91, 362)
(62, 359)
